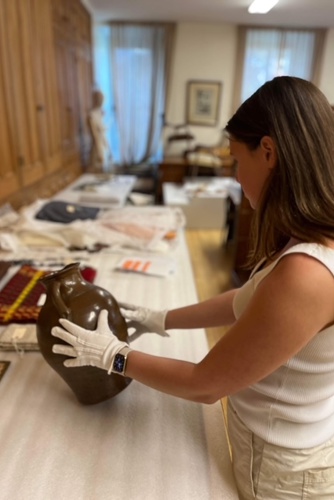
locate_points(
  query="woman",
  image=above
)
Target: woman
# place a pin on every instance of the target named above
(276, 363)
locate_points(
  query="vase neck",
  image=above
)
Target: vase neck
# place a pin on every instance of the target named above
(69, 275)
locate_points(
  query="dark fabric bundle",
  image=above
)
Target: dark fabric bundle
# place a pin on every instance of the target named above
(61, 211)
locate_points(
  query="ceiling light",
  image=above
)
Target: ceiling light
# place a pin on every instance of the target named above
(261, 6)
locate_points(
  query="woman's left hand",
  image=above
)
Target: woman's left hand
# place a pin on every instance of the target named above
(88, 347)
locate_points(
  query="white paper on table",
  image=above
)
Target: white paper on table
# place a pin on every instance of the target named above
(156, 266)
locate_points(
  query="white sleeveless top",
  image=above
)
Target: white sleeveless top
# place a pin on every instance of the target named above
(294, 406)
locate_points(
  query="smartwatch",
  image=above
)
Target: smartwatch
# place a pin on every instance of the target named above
(119, 363)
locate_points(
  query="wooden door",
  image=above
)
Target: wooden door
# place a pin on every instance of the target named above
(45, 82)
(64, 30)
(28, 92)
(9, 161)
(21, 91)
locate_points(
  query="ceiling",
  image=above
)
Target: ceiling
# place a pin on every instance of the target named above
(296, 13)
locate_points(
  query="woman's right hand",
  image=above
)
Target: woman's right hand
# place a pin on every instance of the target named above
(144, 320)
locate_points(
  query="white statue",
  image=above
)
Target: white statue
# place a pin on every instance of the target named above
(101, 158)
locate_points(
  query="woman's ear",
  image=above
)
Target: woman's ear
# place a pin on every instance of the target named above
(268, 148)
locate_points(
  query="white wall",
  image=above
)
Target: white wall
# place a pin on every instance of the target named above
(206, 51)
(326, 83)
(203, 51)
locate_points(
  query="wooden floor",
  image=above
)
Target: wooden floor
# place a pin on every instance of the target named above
(212, 264)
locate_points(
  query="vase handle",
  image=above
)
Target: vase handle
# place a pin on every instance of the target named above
(58, 301)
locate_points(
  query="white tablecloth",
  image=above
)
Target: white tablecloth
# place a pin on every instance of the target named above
(99, 190)
(140, 445)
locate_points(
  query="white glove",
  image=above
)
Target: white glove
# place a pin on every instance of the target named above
(88, 347)
(144, 320)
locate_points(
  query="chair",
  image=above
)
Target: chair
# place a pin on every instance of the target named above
(180, 134)
(216, 158)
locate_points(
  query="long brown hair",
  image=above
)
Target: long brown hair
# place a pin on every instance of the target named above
(298, 199)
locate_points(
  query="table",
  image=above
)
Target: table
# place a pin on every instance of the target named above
(203, 200)
(102, 190)
(140, 445)
(172, 169)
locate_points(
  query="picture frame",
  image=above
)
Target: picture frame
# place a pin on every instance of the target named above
(203, 102)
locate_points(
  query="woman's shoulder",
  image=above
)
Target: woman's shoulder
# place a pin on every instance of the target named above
(319, 252)
(297, 257)
(304, 272)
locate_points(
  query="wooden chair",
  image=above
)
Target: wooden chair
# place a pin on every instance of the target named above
(216, 158)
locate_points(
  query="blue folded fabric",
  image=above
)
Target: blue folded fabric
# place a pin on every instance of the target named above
(65, 212)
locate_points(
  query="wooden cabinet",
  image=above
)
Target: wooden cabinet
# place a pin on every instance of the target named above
(45, 94)
(9, 163)
(20, 91)
(73, 52)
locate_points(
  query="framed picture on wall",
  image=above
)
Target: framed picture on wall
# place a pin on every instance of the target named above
(203, 102)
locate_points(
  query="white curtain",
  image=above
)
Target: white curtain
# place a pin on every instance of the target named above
(276, 52)
(103, 81)
(131, 66)
(139, 65)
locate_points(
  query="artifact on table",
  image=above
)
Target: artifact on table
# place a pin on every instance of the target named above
(70, 296)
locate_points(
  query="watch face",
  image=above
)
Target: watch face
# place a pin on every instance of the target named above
(119, 361)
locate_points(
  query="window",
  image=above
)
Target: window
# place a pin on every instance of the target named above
(131, 70)
(266, 53)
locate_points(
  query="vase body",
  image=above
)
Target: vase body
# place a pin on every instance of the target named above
(69, 296)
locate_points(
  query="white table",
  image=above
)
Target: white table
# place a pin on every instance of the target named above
(99, 190)
(140, 445)
(203, 200)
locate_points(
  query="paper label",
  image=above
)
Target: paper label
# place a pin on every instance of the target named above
(151, 266)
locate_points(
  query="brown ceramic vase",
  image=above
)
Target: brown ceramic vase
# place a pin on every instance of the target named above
(70, 296)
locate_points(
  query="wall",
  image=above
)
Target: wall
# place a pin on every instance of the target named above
(207, 51)
(203, 51)
(326, 83)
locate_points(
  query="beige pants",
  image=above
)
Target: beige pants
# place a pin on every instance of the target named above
(267, 472)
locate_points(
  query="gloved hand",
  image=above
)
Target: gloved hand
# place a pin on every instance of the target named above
(88, 348)
(144, 320)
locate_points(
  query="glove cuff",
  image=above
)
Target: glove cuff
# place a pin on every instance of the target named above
(164, 314)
